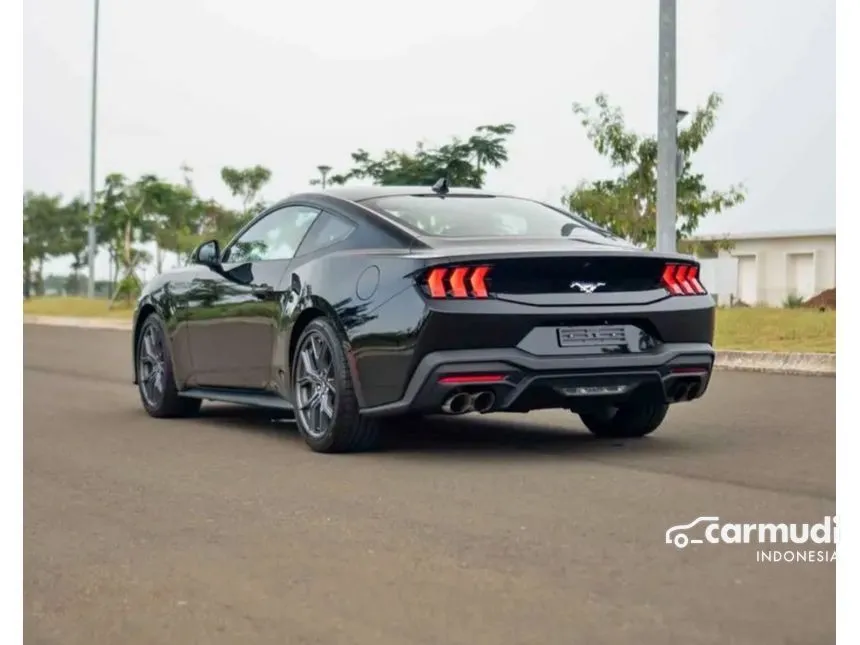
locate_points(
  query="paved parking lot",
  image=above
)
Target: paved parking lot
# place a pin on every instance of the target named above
(494, 530)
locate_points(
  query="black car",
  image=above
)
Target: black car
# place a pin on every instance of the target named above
(351, 306)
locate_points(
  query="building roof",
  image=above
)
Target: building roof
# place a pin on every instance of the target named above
(766, 235)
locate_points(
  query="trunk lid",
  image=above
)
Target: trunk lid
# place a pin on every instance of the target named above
(558, 272)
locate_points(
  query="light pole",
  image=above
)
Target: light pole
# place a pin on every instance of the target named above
(679, 156)
(667, 129)
(91, 228)
(324, 171)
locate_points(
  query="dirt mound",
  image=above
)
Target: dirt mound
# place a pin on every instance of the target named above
(824, 300)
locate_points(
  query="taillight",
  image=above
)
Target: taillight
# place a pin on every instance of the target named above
(458, 282)
(682, 280)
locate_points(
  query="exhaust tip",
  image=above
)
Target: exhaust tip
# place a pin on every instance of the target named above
(457, 404)
(684, 391)
(483, 401)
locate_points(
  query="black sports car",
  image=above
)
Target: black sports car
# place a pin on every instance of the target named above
(352, 305)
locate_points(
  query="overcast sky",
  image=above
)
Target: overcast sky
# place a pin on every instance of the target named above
(292, 85)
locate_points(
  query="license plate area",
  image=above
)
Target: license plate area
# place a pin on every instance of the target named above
(592, 336)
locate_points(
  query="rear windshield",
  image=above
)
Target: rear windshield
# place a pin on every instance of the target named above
(471, 216)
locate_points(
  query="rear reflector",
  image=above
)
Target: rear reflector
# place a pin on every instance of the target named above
(461, 379)
(457, 282)
(682, 280)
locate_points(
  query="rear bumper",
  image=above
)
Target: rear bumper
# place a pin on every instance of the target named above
(528, 382)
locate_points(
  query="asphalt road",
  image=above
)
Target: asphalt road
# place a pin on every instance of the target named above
(497, 530)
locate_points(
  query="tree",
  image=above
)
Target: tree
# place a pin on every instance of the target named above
(174, 217)
(42, 236)
(627, 204)
(463, 162)
(246, 183)
(73, 228)
(125, 218)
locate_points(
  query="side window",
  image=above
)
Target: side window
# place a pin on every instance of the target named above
(328, 229)
(275, 237)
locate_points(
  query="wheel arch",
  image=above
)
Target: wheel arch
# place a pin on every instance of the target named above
(318, 307)
(145, 309)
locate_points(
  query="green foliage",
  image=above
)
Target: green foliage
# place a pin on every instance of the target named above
(246, 183)
(793, 301)
(128, 213)
(43, 237)
(463, 162)
(128, 288)
(627, 203)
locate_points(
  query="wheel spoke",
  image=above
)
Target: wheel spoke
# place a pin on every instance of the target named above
(308, 363)
(312, 401)
(326, 407)
(316, 416)
(304, 380)
(315, 349)
(148, 348)
(325, 362)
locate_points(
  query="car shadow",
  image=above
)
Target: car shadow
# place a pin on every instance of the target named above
(474, 435)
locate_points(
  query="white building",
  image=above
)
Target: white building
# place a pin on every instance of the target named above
(767, 268)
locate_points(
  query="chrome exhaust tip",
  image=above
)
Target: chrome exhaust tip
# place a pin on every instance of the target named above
(483, 401)
(459, 403)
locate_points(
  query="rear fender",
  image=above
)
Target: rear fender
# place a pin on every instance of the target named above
(322, 307)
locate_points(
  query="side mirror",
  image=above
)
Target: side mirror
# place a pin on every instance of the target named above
(208, 254)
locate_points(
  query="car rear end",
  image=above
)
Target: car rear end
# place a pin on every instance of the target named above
(523, 324)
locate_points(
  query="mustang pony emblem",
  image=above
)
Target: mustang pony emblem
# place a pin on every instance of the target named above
(587, 287)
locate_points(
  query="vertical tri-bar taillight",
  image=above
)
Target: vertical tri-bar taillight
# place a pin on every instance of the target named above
(682, 280)
(457, 282)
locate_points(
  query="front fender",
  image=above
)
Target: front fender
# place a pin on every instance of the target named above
(158, 301)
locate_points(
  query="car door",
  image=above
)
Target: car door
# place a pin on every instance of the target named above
(234, 311)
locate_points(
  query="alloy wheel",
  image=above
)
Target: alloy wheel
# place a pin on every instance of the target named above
(316, 393)
(151, 366)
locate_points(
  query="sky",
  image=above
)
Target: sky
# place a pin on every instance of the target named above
(291, 86)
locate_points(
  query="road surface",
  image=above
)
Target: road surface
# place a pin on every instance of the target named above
(496, 530)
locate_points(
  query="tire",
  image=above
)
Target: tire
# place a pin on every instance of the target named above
(155, 381)
(634, 419)
(326, 408)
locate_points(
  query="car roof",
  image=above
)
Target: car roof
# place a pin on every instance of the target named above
(361, 193)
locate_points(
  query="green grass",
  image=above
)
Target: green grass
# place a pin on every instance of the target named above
(75, 307)
(776, 330)
(753, 328)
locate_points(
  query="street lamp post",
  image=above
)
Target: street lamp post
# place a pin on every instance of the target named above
(91, 228)
(667, 129)
(679, 156)
(324, 171)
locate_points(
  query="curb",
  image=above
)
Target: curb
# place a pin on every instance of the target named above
(802, 363)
